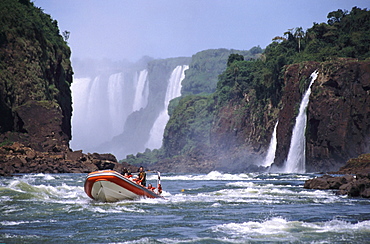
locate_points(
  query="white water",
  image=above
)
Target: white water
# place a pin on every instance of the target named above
(270, 156)
(142, 91)
(173, 91)
(296, 160)
(198, 208)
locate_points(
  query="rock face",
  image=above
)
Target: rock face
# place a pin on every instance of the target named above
(338, 113)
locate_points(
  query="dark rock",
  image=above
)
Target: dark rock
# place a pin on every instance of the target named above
(353, 186)
(17, 158)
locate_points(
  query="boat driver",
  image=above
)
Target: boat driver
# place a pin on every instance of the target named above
(142, 176)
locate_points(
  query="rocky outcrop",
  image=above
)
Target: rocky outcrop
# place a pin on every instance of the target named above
(355, 182)
(359, 165)
(17, 158)
(338, 113)
(353, 186)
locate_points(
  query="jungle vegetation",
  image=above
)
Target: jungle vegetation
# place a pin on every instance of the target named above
(345, 35)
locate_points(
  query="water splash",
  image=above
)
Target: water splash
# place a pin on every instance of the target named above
(173, 91)
(270, 156)
(296, 160)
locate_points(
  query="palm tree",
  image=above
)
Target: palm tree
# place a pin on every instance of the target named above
(299, 34)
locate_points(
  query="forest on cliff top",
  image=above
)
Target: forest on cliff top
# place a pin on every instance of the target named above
(345, 35)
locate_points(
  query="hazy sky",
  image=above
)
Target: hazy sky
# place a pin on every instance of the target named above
(130, 29)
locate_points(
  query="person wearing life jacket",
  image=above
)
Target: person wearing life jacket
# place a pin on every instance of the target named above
(126, 173)
(141, 176)
(151, 187)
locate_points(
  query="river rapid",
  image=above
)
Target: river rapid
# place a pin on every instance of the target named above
(198, 208)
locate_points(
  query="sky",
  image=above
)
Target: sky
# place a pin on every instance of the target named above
(130, 29)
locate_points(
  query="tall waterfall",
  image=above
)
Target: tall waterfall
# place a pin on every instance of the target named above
(117, 115)
(296, 160)
(101, 106)
(270, 156)
(173, 91)
(142, 91)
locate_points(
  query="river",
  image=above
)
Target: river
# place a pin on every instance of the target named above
(198, 208)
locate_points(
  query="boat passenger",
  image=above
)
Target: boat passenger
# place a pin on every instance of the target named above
(150, 187)
(126, 173)
(142, 176)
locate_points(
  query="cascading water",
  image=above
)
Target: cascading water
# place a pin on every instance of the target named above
(99, 110)
(142, 91)
(296, 160)
(116, 113)
(270, 156)
(173, 91)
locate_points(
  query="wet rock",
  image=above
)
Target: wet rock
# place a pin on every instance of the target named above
(17, 158)
(351, 185)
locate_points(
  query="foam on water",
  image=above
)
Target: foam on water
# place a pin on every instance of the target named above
(280, 229)
(214, 175)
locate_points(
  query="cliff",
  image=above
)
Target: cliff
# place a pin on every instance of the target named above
(35, 96)
(338, 113)
(35, 76)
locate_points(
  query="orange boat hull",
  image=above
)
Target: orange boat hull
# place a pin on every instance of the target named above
(111, 186)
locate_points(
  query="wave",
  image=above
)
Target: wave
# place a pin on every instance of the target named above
(280, 229)
(214, 175)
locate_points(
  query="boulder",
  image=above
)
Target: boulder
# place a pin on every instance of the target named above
(351, 185)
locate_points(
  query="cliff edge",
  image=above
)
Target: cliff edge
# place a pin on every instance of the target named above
(35, 96)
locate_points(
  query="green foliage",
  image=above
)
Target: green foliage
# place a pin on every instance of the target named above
(189, 125)
(29, 45)
(234, 57)
(202, 75)
(34, 59)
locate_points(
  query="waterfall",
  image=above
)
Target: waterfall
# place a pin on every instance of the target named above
(173, 91)
(115, 104)
(99, 110)
(270, 156)
(296, 160)
(141, 91)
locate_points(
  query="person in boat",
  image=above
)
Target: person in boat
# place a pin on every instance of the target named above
(126, 173)
(151, 187)
(142, 176)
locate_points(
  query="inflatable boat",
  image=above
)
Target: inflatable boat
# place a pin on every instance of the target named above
(111, 186)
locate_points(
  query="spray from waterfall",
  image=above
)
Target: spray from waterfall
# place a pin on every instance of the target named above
(296, 160)
(173, 91)
(270, 156)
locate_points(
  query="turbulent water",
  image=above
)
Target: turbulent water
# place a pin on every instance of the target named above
(211, 208)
